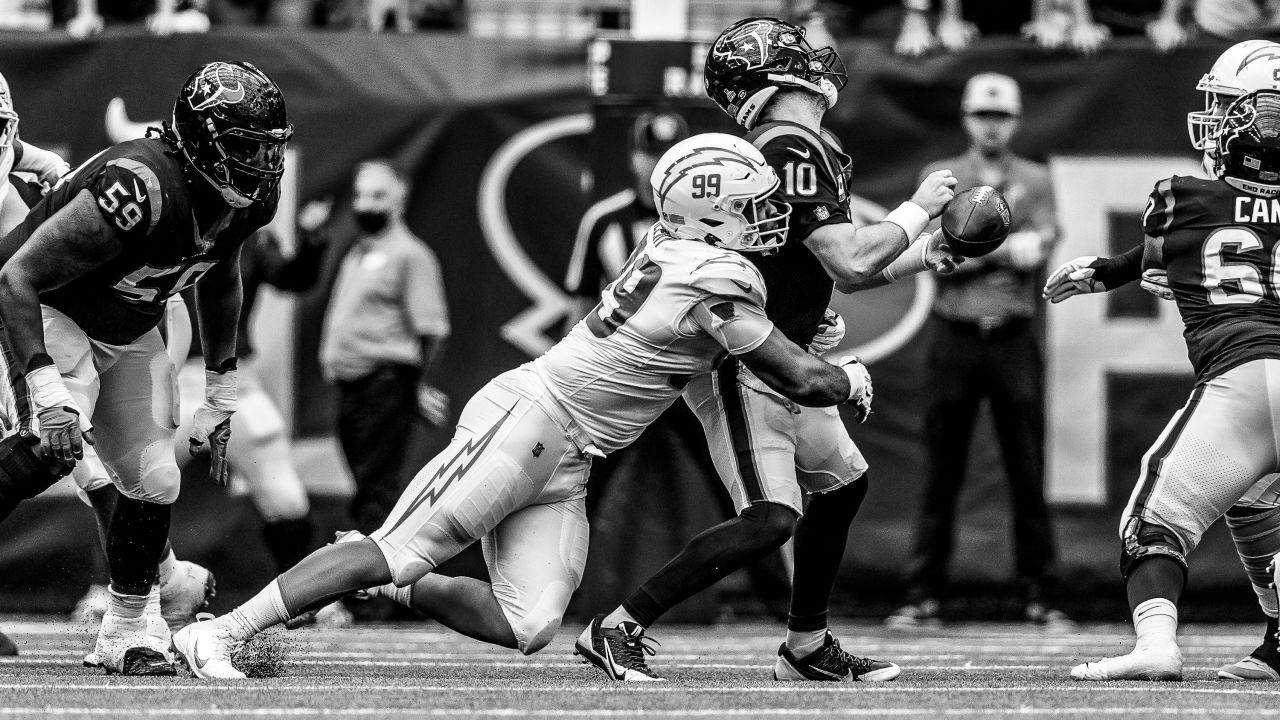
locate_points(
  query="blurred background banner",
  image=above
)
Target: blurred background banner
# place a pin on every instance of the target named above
(509, 141)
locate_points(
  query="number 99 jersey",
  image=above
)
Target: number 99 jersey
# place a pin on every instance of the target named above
(1221, 248)
(140, 189)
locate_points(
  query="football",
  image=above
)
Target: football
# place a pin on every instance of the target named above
(976, 221)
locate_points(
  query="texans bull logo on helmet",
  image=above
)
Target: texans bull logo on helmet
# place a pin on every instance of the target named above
(209, 89)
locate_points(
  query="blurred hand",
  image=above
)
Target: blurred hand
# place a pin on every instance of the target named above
(939, 256)
(1049, 32)
(161, 23)
(935, 192)
(1026, 249)
(314, 214)
(1088, 38)
(433, 405)
(955, 35)
(84, 25)
(1167, 34)
(914, 39)
(1156, 282)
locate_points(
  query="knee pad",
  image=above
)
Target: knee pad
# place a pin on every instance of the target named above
(24, 471)
(536, 627)
(159, 479)
(772, 520)
(1142, 540)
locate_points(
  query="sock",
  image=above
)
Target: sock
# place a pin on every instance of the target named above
(289, 540)
(820, 539)
(402, 595)
(135, 542)
(167, 564)
(619, 615)
(711, 556)
(805, 642)
(1154, 577)
(259, 613)
(1156, 623)
(125, 606)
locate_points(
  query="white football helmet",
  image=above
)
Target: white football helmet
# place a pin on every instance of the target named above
(8, 132)
(1243, 68)
(715, 188)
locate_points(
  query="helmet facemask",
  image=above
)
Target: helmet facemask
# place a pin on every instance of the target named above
(1248, 144)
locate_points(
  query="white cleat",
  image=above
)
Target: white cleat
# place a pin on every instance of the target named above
(129, 647)
(185, 592)
(206, 647)
(92, 605)
(1148, 664)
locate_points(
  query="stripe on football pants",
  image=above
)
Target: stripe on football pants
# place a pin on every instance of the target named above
(1155, 464)
(731, 392)
(15, 381)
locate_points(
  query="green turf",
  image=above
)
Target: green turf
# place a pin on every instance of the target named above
(972, 671)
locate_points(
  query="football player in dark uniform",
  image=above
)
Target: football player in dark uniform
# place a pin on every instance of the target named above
(84, 281)
(768, 451)
(1217, 239)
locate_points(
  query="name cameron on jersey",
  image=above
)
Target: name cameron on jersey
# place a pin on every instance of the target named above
(1263, 210)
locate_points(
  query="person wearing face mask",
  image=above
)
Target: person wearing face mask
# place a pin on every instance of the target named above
(983, 344)
(386, 324)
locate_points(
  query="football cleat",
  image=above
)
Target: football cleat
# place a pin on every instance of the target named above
(206, 647)
(1251, 667)
(1145, 664)
(619, 651)
(923, 614)
(1038, 613)
(7, 646)
(126, 646)
(186, 592)
(92, 605)
(830, 663)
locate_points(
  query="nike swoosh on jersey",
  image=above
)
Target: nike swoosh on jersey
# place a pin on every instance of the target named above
(802, 152)
(746, 287)
(137, 192)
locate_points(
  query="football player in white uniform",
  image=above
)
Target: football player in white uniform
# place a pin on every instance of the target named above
(1175, 500)
(514, 475)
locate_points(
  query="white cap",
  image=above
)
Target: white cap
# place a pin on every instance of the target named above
(992, 92)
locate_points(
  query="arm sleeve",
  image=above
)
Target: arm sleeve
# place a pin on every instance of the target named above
(47, 165)
(739, 325)
(293, 274)
(424, 294)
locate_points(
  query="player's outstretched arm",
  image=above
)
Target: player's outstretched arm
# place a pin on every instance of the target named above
(854, 257)
(219, 294)
(1092, 274)
(802, 377)
(74, 241)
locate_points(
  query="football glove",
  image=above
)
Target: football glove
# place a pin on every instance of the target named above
(212, 422)
(830, 333)
(860, 390)
(63, 428)
(433, 406)
(1083, 275)
(1156, 282)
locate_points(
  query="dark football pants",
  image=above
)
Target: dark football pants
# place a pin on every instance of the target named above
(965, 365)
(375, 417)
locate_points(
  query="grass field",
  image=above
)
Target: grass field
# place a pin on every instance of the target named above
(394, 671)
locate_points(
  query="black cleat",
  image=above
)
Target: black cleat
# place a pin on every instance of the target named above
(7, 646)
(831, 664)
(619, 652)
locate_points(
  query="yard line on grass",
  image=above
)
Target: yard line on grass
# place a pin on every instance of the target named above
(602, 712)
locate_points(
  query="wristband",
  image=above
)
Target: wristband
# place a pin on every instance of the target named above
(857, 379)
(220, 390)
(910, 217)
(47, 389)
(908, 263)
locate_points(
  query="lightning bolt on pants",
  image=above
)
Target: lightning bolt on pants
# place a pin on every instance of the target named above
(515, 476)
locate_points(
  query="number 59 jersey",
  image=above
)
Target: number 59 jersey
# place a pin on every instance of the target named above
(140, 189)
(1221, 248)
(675, 310)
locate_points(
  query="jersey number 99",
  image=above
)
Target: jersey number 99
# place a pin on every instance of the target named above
(626, 295)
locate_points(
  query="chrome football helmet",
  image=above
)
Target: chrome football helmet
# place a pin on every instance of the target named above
(1248, 143)
(715, 188)
(1243, 68)
(754, 58)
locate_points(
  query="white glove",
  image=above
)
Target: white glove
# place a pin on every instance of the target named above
(1156, 282)
(212, 422)
(860, 390)
(1073, 277)
(830, 333)
(433, 405)
(84, 24)
(63, 428)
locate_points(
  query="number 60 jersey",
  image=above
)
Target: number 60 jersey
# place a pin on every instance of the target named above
(140, 188)
(677, 307)
(1221, 248)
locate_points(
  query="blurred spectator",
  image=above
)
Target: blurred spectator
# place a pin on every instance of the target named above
(984, 346)
(162, 17)
(385, 325)
(1237, 19)
(1066, 24)
(25, 15)
(1164, 22)
(953, 34)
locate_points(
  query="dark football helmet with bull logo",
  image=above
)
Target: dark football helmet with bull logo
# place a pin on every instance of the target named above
(230, 124)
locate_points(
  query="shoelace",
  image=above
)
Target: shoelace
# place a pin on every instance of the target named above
(632, 649)
(835, 655)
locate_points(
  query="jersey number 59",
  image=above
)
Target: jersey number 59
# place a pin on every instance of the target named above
(122, 206)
